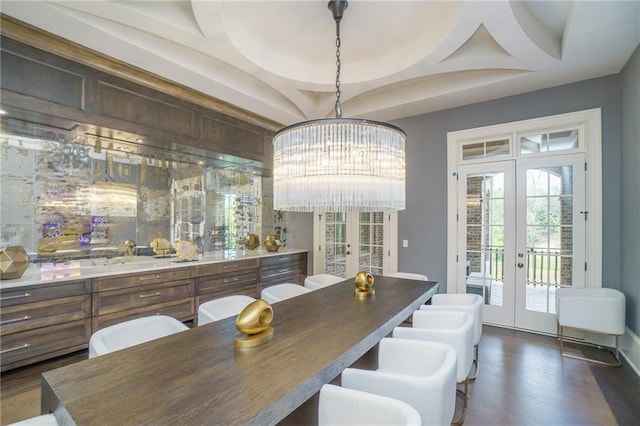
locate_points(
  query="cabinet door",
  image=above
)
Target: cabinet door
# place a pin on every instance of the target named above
(42, 343)
(107, 302)
(18, 318)
(181, 309)
(39, 292)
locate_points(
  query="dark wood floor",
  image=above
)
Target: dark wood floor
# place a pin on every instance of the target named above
(522, 381)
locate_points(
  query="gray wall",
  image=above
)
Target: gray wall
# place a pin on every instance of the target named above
(630, 203)
(424, 222)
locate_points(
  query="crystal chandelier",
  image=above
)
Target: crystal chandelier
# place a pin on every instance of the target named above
(339, 164)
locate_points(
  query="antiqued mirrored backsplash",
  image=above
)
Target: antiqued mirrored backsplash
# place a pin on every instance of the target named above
(66, 196)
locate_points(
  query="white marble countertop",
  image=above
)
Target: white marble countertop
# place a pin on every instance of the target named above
(40, 273)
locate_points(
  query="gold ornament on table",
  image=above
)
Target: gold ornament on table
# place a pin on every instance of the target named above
(364, 284)
(272, 243)
(254, 325)
(13, 262)
(252, 241)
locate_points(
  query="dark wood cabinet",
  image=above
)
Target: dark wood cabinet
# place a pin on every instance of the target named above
(41, 321)
(284, 268)
(122, 297)
(224, 279)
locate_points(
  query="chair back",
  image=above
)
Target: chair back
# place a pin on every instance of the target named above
(224, 307)
(132, 332)
(342, 406)
(314, 282)
(279, 292)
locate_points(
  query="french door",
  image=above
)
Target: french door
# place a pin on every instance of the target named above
(346, 243)
(521, 227)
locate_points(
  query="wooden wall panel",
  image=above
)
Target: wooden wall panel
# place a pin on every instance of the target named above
(127, 105)
(237, 140)
(40, 80)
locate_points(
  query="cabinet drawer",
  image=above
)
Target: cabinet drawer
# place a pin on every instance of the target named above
(294, 278)
(39, 292)
(282, 259)
(135, 280)
(107, 302)
(19, 348)
(215, 283)
(183, 310)
(271, 272)
(14, 319)
(225, 267)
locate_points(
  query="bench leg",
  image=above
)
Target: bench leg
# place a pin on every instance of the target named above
(615, 353)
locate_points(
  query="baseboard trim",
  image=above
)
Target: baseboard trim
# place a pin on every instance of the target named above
(630, 349)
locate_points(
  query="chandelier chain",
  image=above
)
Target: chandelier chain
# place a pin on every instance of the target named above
(338, 107)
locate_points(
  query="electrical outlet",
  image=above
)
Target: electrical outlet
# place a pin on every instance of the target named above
(405, 243)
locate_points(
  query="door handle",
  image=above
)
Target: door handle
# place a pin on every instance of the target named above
(348, 252)
(520, 265)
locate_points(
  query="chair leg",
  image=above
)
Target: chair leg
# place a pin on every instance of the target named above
(615, 353)
(464, 394)
(476, 364)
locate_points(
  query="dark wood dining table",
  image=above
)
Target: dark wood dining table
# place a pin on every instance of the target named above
(197, 377)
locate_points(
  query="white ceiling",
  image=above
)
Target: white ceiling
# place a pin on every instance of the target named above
(399, 58)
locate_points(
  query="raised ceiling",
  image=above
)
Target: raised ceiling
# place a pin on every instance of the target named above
(399, 58)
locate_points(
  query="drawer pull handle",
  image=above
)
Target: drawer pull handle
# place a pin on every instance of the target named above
(19, 296)
(284, 270)
(157, 293)
(232, 280)
(154, 277)
(283, 259)
(235, 265)
(24, 318)
(17, 348)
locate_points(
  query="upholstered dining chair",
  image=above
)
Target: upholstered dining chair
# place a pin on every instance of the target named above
(279, 292)
(342, 406)
(595, 310)
(314, 282)
(43, 420)
(454, 328)
(132, 332)
(464, 302)
(224, 307)
(409, 276)
(420, 373)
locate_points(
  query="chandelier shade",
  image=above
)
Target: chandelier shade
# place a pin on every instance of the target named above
(339, 165)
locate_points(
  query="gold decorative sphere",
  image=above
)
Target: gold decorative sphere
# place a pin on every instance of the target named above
(255, 317)
(364, 281)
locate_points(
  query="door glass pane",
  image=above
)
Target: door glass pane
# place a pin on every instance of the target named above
(485, 236)
(335, 243)
(549, 239)
(371, 241)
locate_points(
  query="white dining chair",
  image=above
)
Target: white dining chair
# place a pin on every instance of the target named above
(454, 328)
(43, 420)
(595, 310)
(341, 406)
(464, 302)
(132, 332)
(224, 307)
(419, 373)
(279, 292)
(409, 276)
(317, 281)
